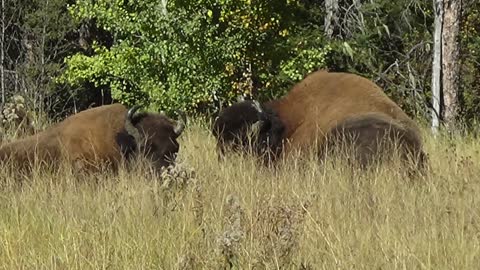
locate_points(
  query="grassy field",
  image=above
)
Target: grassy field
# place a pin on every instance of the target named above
(236, 214)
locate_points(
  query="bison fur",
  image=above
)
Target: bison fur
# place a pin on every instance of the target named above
(370, 138)
(315, 111)
(248, 126)
(107, 134)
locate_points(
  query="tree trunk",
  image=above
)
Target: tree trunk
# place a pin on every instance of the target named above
(451, 60)
(331, 7)
(2, 54)
(437, 64)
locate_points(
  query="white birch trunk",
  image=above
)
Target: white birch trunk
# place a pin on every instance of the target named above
(437, 65)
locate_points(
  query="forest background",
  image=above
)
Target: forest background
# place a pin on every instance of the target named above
(197, 56)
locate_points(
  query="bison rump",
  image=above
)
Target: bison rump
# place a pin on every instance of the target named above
(374, 137)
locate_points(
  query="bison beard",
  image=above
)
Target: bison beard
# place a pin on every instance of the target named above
(319, 112)
(105, 135)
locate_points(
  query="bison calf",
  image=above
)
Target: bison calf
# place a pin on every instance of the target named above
(316, 110)
(102, 135)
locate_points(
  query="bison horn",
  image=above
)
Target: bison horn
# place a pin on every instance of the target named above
(256, 127)
(257, 106)
(180, 125)
(130, 128)
(132, 112)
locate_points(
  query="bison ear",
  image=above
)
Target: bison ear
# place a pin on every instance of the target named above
(126, 143)
(179, 127)
(180, 124)
(130, 125)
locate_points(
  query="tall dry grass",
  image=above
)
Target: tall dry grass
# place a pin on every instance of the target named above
(235, 214)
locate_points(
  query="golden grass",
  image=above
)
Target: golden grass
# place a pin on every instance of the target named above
(239, 215)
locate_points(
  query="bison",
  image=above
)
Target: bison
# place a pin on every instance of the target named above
(103, 135)
(324, 109)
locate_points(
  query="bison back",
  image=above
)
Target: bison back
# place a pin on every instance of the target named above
(88, 138)
(321, 100)
(88, 135)
(40, 149)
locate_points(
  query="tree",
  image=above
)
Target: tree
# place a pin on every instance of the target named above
(36, 35)
(196, 55)
(446, 63)
(437, 65)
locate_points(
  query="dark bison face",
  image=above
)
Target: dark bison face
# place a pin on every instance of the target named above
(155, 135)
(248, 126)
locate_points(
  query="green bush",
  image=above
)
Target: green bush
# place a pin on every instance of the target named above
(196, 55)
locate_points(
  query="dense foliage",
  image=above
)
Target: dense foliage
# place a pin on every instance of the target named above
(38, 35)
(198, 55)
(471, 63)
(188, 55)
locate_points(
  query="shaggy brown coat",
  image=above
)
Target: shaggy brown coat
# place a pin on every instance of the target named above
(97, 136)
(323, 104)
(324, 99)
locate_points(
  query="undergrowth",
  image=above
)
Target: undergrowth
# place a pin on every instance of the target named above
(237, 214)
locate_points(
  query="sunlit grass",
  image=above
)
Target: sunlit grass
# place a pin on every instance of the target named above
(236, 213)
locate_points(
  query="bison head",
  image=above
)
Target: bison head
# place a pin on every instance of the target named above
(249, 126)
(154, 135)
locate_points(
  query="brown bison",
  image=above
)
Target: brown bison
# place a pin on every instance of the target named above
(103, 135)
(324, 109)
